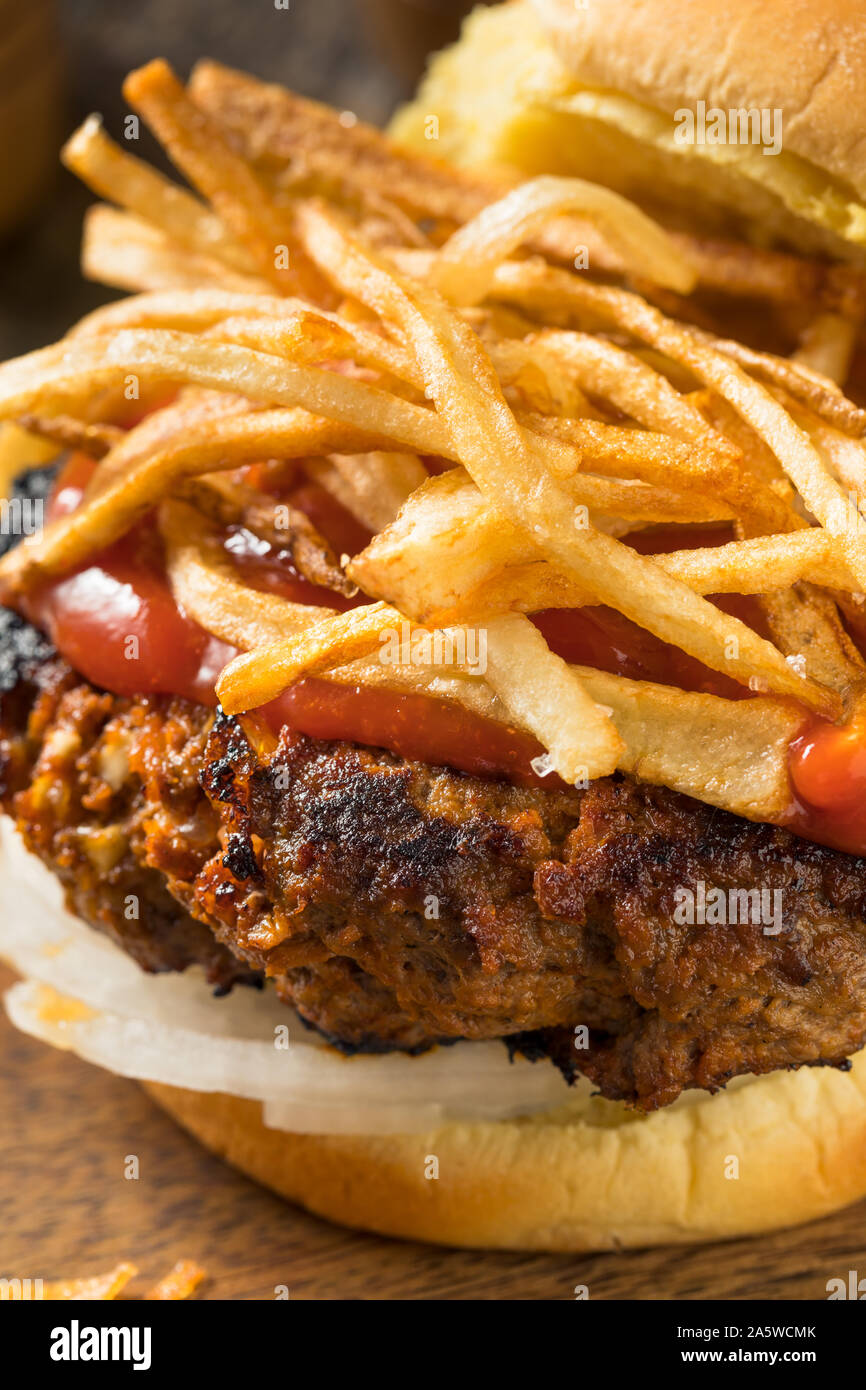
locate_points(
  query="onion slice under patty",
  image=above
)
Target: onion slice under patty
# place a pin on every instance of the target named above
(82, 993)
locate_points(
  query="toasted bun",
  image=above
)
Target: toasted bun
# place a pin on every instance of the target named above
(774, 1152)
(553, 87)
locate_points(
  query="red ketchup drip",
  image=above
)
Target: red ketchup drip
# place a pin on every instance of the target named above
(114, 618)
(122, 593)
(828, 773)
(419, 727)
(263, 567)
(604, 638)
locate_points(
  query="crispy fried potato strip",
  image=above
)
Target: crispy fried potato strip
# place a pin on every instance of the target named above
(461, 382)
(760, 565)
(256, 677)
(440, 550)
(95, 1288)
(735, 750)
(217, 443)
(67, 433)
(465, 264)
(128, 253)
(197, 146)
(487, 564)
(280, 132)
(828, 345)
(180, 1282)
(323, 307)
(372, 486)
(822, 494)
(288, 326)
(805, 624)
(206, 585)
(545, 695)
(122, 178)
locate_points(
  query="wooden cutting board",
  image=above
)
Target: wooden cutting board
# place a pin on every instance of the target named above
(66, 1208)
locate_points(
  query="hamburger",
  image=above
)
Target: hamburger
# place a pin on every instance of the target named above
(364, 676)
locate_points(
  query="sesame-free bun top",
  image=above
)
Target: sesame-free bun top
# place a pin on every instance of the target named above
(595, 89)
(805, 57)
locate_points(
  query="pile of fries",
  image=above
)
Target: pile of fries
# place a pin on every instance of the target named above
(324, 298)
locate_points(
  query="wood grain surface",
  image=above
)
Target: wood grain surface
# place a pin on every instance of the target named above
(66, 1129)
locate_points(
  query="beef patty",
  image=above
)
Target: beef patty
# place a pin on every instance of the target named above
(397, 904)
(66, 776)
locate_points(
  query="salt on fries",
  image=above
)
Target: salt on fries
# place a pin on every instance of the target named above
(408, 336)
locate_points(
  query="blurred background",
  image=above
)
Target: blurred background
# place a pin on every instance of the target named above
(59, 61)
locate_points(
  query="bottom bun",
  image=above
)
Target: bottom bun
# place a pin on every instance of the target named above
(776, 1151)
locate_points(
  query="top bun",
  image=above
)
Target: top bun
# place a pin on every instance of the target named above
(596, 88)
(804, 57)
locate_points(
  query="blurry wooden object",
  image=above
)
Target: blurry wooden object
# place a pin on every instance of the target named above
(406, 32)
(30, 107)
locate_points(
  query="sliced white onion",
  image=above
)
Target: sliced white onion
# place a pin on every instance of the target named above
(169, 1028)
(41, 939)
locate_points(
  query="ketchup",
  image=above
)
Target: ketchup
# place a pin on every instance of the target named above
(419, 727)
(828, 774)
(116, 621)
(604, 638)
(114, 618)
(262, 566)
